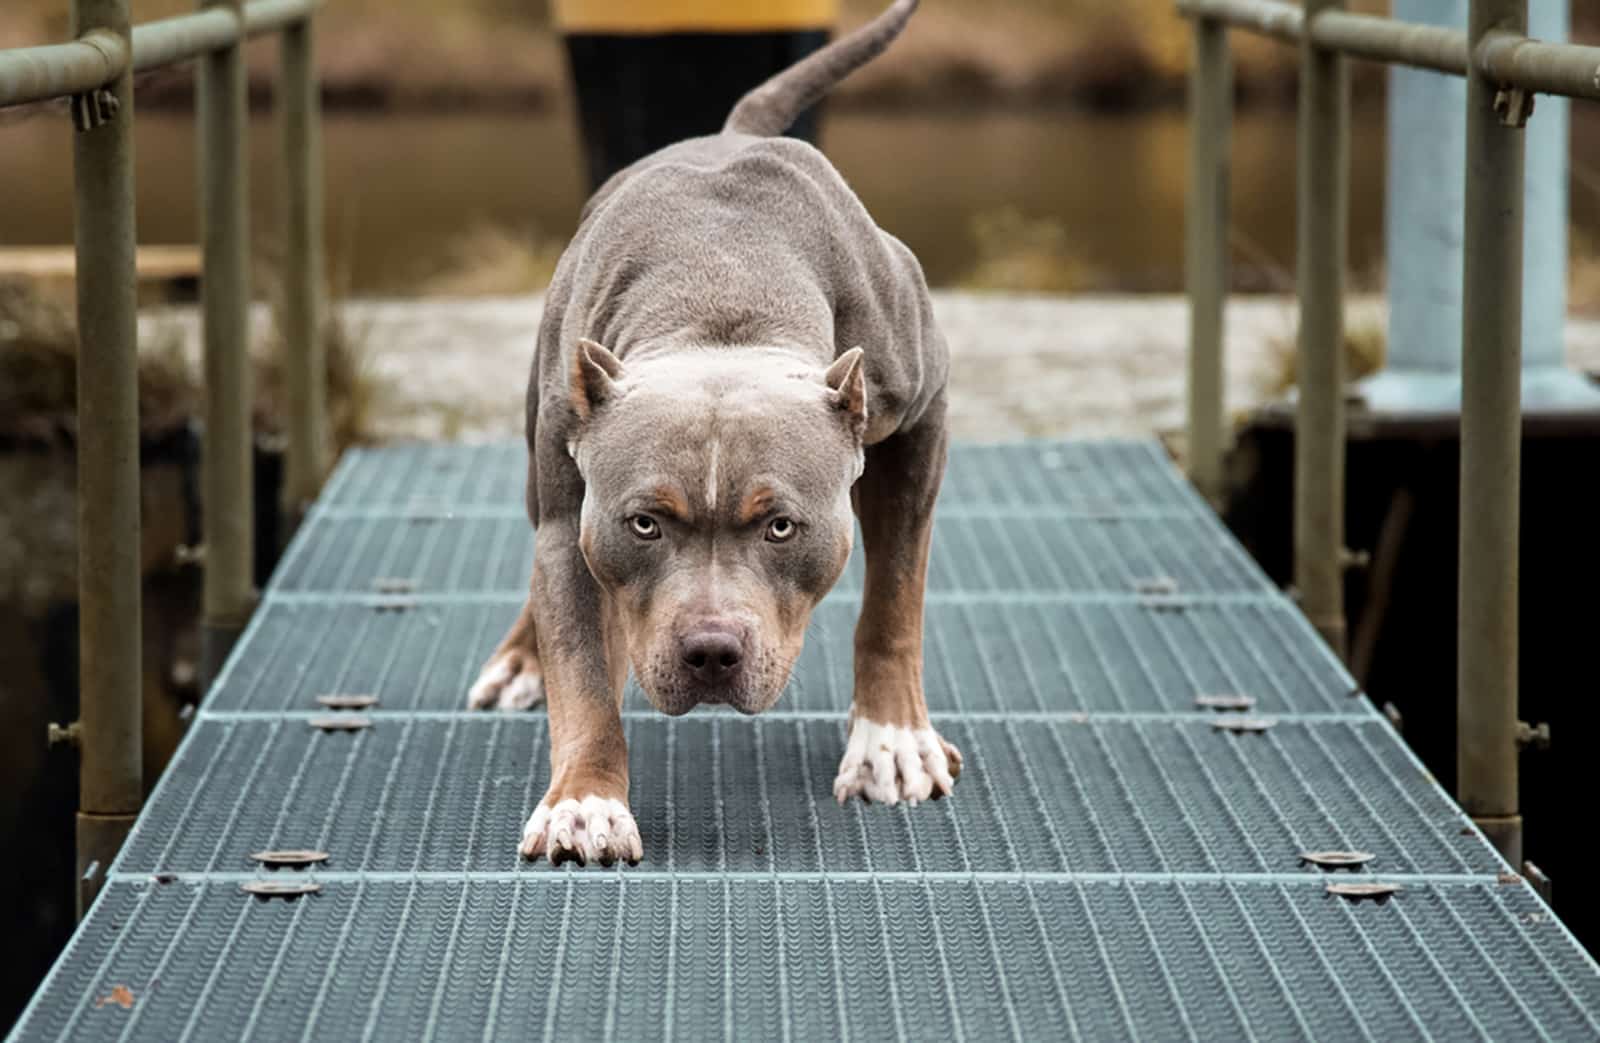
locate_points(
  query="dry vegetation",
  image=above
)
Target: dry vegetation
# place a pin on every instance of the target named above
(39, 370)
(1016, 253)
(494, 261)
(39, 365)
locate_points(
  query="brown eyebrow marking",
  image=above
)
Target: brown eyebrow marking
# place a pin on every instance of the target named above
(758, 502)
(669, 500)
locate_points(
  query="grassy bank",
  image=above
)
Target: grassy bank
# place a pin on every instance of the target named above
(456, 53)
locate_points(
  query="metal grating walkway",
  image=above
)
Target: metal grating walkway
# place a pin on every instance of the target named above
(1111, 865)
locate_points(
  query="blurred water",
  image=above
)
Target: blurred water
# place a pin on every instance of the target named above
(401, 186)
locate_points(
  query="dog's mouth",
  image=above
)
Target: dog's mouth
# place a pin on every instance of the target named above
(674, 690)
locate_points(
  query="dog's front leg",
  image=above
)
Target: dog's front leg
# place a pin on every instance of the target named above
(893, 753)
(584, 815)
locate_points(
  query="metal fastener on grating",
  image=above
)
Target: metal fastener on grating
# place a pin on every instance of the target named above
(285, 889)
(1155, 585)
(393, 604)
(1379, 893)
(1240, 724)
(1225, 702)
(1336, 859)
(394, 585)
(292, 858)
(347, 702)
(341, 723)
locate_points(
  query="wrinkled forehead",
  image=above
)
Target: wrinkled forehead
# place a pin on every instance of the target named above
(717, 448)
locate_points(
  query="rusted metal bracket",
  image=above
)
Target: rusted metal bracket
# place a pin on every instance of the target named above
(64, 735)
(1534, 735)
(94, 109)
(1354, 560)
(1538, 881)
(1514, 105)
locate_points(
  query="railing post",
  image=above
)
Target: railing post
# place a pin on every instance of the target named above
(1491, 433)
(303, 362)
(1206, 249)
(1324, 199)
(228, 482)
(110, 675)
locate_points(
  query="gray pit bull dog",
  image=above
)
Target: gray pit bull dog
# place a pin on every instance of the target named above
(732, 357)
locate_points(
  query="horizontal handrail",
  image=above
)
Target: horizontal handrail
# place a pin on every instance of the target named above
(1508, 59)
(34, 74)
(170, 41)
(1385, 40)
(29, 74)
(1553, 68)
(1272, 18)
(267, 16)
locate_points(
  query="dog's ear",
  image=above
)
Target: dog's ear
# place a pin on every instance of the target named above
(595, 372)
(847, 384)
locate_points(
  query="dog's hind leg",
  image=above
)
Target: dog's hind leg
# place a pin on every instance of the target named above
(893, 753)
(512, 679)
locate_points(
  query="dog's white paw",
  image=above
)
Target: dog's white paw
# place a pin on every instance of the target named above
(593, 829)
(508, 682)
(888, 764)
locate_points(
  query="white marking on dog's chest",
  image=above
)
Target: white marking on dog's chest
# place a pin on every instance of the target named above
(711, 477)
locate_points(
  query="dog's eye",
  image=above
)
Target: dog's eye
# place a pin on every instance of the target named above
(645, 527)
(781, 530)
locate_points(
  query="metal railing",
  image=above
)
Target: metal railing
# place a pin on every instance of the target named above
(1504, 68)
(96, 72)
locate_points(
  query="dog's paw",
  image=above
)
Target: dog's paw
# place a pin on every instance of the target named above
(593, 829)
(508, 682)
(888, 764)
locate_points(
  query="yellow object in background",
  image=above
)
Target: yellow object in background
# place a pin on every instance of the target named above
(684, 16)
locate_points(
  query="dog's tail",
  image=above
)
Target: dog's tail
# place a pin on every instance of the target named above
(771, 108)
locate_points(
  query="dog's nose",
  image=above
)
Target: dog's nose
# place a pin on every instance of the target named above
(711, 655)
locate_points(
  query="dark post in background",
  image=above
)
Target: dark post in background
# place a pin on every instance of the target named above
(648, 73)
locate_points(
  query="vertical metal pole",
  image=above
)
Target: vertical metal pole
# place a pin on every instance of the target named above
(1491, 460)
(1206, 249)
(303, 271)
(1324, 199)
(110, 674)
(229, 514)
(1427, 147)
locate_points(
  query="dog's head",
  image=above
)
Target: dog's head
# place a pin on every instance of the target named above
(716, 509)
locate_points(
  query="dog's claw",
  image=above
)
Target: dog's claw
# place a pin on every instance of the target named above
(593, 829)
(887, 764)
(509, 681)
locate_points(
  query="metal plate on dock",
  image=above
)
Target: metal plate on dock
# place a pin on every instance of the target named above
(1109, 866)
(1063, 654)
(1044, 795)
(620, 956)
